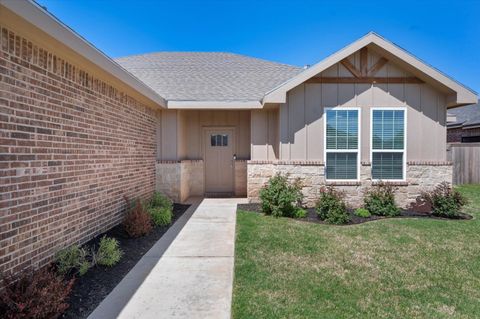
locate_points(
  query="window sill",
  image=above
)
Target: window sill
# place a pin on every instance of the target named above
(343, 183)
(391, 182)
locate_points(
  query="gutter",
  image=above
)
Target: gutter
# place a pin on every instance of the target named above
(209, 105)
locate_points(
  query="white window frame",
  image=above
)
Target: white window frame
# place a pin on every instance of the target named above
(404, 150)
(325, 151)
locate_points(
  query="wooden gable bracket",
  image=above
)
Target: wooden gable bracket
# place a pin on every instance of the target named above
(364, 75)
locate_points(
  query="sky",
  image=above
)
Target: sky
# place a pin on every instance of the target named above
(446, 34)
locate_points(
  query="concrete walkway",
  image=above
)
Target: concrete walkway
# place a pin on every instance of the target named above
(188, 273)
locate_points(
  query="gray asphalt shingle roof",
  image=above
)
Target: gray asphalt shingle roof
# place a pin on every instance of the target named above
(466, 115)
(207, 76)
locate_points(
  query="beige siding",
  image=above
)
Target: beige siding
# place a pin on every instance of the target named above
(301, 117)
(192, 123)
(169, 135)
(264, 132)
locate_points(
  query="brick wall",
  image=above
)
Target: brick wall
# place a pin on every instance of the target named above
(70, 147)
(456, 134)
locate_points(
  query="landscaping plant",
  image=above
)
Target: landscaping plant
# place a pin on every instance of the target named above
(35, 294)
(444, 200)
(73, 259)
(380, 200)
(281, 197)
(161, 201)
(137, 222)
(331, 206)
(161, 216)
(160, 209)
(109, 252)
(362, 212)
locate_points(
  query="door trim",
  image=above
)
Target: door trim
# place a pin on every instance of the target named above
(233, 129)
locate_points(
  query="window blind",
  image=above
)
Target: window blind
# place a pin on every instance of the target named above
(341, 165)
(388, 144)
(341, 135)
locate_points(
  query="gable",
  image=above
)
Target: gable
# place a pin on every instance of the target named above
(373, 60)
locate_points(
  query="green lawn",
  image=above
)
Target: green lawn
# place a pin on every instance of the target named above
(396, 268)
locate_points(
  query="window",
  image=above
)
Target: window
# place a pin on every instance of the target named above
(470, 139)
(218, 140)
(342, 144)
(388, 144)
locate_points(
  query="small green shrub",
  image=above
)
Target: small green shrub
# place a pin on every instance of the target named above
(161, 201)
(331, 207)
(445, 201)
(380, 200)
(281, 197)
(300, 213)
(362, 212)
(161, 216)
(73, 259)
(109, 252)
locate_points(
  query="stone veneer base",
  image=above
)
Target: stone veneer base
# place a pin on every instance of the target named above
(420, 176)
(180, 180)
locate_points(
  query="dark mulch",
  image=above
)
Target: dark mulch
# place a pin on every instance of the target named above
(312, 216)
(90, 289)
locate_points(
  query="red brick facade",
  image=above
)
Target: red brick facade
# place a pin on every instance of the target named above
(455, 135)
(70, 147)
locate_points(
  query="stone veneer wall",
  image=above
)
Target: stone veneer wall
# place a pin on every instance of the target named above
(168, 177)
(181, 179)
(71, 146)
(420, 176)
(192, 172)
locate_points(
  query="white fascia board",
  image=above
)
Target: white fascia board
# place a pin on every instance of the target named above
(220, 105)
(45, 21)
(462, 94)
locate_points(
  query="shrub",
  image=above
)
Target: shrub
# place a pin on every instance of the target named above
(281, 197)
(161, 216)
(73, 259)
(362, 212)
(35, 294)
(137, 222)
(331, 207)
(109, 252)
(445, 201)
(161, 201)
(300, 213)
(380, 200)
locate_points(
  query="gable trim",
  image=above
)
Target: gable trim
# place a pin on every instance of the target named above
(460, 95)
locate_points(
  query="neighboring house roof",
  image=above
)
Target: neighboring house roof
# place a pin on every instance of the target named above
(459, 94)
(208, 76)
(49, 24)
(465, 116)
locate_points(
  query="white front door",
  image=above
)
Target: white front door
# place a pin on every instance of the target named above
(219, 151)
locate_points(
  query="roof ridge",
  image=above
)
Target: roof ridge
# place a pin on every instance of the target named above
(209, 52)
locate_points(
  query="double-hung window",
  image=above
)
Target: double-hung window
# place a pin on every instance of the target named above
(342, 143)
(388, 143)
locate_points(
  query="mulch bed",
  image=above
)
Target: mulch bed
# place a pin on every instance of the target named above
(90, 289)
(312, 216)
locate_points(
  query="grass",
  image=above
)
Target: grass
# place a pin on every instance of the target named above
(396, 268)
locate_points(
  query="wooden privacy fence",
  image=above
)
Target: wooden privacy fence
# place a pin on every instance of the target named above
(466, 162)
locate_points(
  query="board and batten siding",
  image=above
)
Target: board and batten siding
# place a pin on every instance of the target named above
(301, 122)
(264, 132)
(181, 132)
